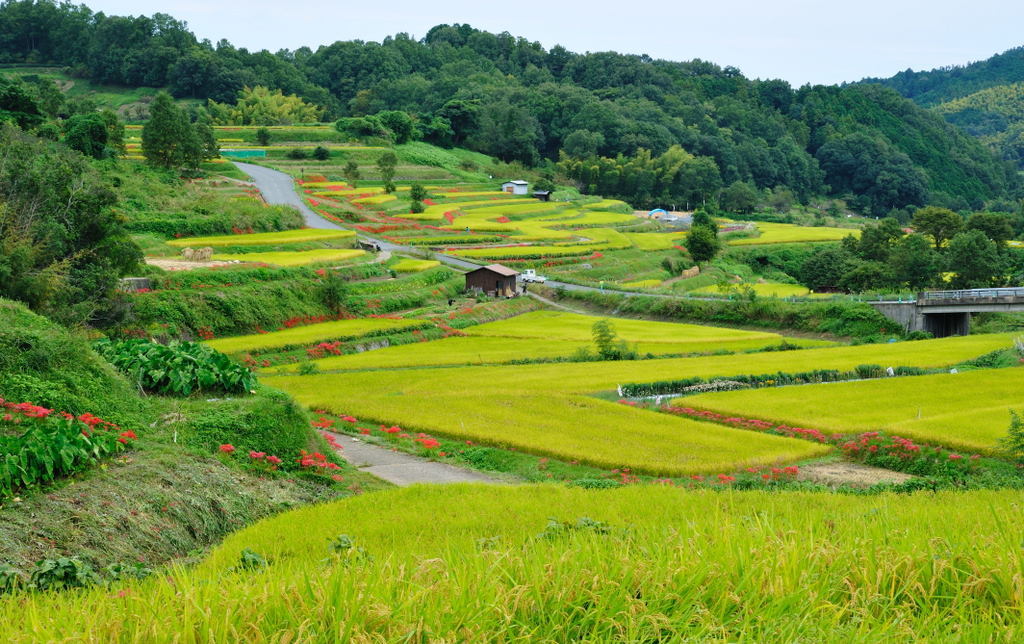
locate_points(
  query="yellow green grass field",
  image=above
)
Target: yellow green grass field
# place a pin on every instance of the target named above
(558, 325)
(478, 350)
(261, 239)
(791, 233)
(547, 408)
(968, 411)
(293, 258)
(467, 563)
(414, 265)
(309, 334)
(763, 290)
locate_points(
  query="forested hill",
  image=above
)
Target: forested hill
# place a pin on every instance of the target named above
(511, 98)
(930, 88)
(985, 98)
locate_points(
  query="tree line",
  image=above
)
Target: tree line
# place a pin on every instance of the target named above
(513, 99)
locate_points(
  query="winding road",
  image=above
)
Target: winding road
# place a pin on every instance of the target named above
(278, 188)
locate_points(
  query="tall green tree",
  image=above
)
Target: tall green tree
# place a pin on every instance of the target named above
(915, 262)
(166, 135)
(702, 244)
(386, 164)
(86, 133)
(975, 261)
(351, 173)
(996, 226)
(941, 224)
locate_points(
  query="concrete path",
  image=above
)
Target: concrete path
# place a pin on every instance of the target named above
(403, 469)
(279, 189)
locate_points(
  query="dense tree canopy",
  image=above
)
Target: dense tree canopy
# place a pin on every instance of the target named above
(62, 248)
(513, 99)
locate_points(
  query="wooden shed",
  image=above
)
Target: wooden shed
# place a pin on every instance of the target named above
(494, 279)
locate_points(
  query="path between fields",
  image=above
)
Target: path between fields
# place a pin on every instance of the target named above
(403, 469)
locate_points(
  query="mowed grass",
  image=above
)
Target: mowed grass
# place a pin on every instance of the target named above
(547, 408)
(467, 563)
(260, 239)
(791, 233)
(309, 334)
(293, 258)
(968, 411)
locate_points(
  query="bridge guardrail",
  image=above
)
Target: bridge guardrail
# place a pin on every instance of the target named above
(974, 293)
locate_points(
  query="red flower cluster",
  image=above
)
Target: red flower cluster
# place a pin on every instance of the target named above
(322, 423)
(747, 423)
(316, 460)
(322, 349)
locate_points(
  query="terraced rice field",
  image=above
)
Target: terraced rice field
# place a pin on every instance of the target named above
(559, 325)
(414, 265)
(294, 258)
(311, 333)
(791, 233)
(763, 290)
(654, 564)
(547, 408)
(966, 411)
(261, 239)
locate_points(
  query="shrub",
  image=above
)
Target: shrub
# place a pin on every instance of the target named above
(297, 154)
(320, 153)
(269, 421)
(180, 368)
(1013, 442)
(55, 368)
(63, 573)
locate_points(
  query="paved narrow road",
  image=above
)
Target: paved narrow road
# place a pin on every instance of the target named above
(279, 189)
(403, 469)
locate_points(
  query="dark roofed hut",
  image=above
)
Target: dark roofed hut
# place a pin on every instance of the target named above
(494, 279)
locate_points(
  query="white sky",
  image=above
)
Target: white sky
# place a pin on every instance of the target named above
(802, 41)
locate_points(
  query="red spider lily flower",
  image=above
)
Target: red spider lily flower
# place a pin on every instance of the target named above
(364, 430)
(227, 448)
(955, 457)
(126, 436)
(273, 459)
(257, 455)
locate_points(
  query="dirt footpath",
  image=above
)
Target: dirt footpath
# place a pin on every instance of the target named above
(169, 264)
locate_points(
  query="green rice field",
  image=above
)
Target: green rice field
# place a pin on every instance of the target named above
(311, 333)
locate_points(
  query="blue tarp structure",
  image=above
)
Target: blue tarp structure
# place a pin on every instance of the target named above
(244, 154)
(657, 211)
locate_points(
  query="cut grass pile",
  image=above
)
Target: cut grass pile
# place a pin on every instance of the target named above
(968, 411)
(546, 408)
(552, 563)
(293, 258)
(309, 334)
(414, 265)
(261, 239)
(791, 233)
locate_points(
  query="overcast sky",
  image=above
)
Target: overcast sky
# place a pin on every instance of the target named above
(802, 41)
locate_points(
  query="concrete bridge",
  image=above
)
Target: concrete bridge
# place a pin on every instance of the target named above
(944, 313)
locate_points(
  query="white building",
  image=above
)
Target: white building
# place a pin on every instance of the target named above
(517, 187)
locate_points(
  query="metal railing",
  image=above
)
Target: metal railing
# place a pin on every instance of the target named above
(974, 293)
